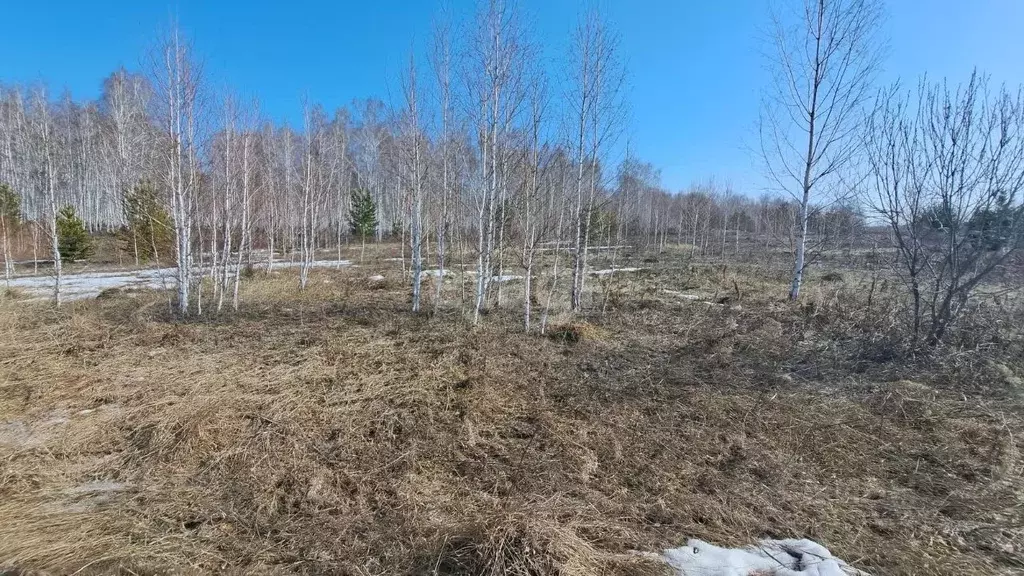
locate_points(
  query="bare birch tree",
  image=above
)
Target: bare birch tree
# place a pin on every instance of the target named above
(222, 274)
(596, 109)
(415, 170)
(176, 77)
(310, 194)
(46, 186)
(248, 168)
(441, 61)
(826, 55)
(499, 55)
(534, 213)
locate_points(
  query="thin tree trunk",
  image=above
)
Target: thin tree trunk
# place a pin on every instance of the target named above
(245, 243)
(8, 262)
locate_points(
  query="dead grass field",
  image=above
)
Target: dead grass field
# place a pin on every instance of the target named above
(332, 432)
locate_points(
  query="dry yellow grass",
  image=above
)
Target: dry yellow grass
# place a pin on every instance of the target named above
(332, 432)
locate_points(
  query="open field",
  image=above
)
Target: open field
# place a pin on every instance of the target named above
(331, 431)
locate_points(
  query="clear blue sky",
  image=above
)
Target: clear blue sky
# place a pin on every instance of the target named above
(696, 68)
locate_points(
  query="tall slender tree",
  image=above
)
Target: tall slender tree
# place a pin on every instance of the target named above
(826, 56)
(177, 77)
(596, 110)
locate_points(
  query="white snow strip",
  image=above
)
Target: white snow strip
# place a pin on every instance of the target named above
(774, 557)
(97, 487)
(505, 278)
(682, 295)
(88, 285)
(589, 248)
(314, 264)
(91, 284)
(435, 272)
(613, 270)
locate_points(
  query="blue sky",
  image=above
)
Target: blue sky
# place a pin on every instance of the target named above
(696, 66)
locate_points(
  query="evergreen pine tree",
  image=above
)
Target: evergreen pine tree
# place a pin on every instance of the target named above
(10, 220)
(10, 207)
(149, 234)
(72, 238)
(362, 217)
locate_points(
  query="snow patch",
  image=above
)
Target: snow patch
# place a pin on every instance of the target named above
(613, 270)
(314, 264)
(767, 558)
(589, 248)
(682, 295)
(91, 284)
(97, 487)
(21, 435)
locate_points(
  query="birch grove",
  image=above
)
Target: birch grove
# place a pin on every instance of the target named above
(485, 164)
(595, 111)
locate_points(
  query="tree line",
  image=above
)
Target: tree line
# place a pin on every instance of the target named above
(494, 153)
(482, 154)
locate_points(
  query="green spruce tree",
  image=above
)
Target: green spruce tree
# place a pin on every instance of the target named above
(10, 206)
(149, 232)
(73, 240)
(362, 217)
(10, 220)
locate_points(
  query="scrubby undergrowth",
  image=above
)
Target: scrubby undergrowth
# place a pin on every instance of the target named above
(332, 432)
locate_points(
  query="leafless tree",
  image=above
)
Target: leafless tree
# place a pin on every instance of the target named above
(596, 109)
(176, 77)
(534, 210)
(947, 170)
(415, 169)
(222, 274)
(12, 138)
(499, 54)
(442, 63)
(826, 56)
(323, 168)
(44, 151)
(125, 99)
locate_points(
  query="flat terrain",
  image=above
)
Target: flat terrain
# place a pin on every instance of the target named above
(331, 431)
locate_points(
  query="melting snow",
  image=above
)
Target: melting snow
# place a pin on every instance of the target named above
(682, 295)
(91, 284)
(589, 248)
(86, 285)
(611, 270)
(774, 557)
(96, 487)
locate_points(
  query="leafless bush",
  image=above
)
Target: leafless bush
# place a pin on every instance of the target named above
(948, 173)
